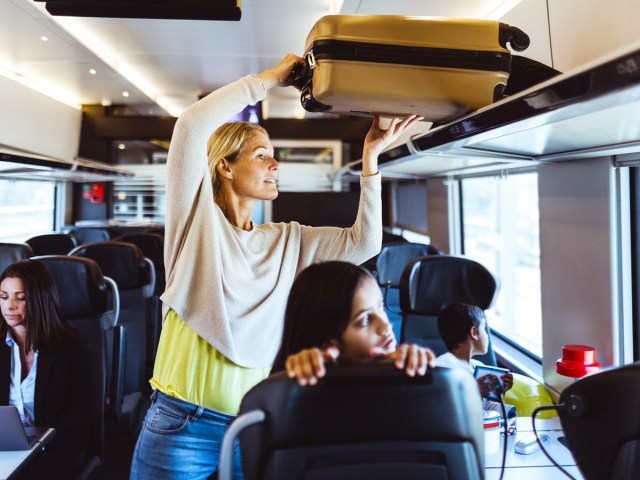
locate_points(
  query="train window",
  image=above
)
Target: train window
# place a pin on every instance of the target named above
(500, 229)
(26, 208)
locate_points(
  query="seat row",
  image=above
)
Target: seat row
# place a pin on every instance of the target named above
(109, 292)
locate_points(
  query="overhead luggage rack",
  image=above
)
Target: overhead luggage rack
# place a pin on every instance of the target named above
(591, 111)
(18, 164)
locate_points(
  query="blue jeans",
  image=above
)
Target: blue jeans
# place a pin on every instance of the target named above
(180, 440)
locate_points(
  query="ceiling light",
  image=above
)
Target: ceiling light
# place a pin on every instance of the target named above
(92, 71)
(104, 52)
(122, 146)
(125, 93)
(44, 39)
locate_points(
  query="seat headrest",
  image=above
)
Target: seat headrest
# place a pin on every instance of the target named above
(151, 244)
(80, 284)
(123, 262)
(363, 403)
(52, 244)
(393, 257)
(90, 234)
(12, 252)
(430, 283)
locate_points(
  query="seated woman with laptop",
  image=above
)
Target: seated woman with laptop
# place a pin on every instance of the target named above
(44, 369)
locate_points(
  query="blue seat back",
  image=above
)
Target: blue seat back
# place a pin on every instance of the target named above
(389, 266)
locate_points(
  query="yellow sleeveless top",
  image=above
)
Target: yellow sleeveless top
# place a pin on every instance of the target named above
(190, 369)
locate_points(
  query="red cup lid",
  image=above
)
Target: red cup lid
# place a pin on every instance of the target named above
(577, 361)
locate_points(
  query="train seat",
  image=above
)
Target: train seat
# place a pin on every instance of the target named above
(10, 253)
(360, 421)
(152, 246)
(83, 302)
(135, 277)
(601, 423)
(90, 234)
(429, 283)
(52, 243)
(386, 239)
(390, 263)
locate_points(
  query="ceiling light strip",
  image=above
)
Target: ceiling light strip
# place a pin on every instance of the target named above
(104, 52)
(46, 90)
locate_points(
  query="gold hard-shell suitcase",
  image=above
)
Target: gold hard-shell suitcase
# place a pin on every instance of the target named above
(440, 68)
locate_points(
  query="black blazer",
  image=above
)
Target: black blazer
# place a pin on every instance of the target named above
(63, 397)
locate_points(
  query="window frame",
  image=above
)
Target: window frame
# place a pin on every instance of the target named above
(458, 236)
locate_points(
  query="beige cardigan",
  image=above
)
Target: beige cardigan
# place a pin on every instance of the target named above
(230, 285)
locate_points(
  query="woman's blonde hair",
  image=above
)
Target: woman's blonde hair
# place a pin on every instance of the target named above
(227, 142)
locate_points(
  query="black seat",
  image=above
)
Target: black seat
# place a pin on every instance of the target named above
(90, 234)
(386, 239)
(430, 283)
(52, 244)
(361, 421)
(156, 230)
(152, 246)
(135, 279)
(83, 302)
(10, 253)
(601, 422)
(390, 263)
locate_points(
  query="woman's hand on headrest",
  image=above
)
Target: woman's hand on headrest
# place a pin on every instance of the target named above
(308, 365)
(413, 359)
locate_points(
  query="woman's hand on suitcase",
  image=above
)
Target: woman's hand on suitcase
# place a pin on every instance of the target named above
(378, 139)
(282, 74)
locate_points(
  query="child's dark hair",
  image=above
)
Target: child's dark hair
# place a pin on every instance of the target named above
(455, 320)
(319, 307)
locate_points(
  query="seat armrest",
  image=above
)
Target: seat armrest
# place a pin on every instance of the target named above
(112, 315)
(149, 288)
(226, 455)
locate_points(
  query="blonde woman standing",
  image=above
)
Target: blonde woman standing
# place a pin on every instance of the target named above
(228, 279)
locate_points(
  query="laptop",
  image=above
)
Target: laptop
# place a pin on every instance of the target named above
(14, 436)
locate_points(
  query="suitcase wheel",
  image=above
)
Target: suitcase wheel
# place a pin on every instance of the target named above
(309, 103)
(518, 40)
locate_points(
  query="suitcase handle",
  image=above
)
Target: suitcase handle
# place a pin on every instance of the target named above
(518, 40)
(299, 76)
(309, 103)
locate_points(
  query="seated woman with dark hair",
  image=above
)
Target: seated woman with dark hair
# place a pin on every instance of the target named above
(335, 312)
(44, 369)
